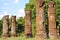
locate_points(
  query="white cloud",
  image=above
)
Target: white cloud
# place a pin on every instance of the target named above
(3, 14)
(5, 3)
(16, 1)
(21, 13)
(27, 1)
(8, 8)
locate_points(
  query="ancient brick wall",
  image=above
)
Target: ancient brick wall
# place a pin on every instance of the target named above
(13, 26)
(28, 29)
(40, 19)
(52, 20)
(5, 26)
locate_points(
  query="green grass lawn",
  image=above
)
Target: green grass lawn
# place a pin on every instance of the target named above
(17, 38)
(22, 38)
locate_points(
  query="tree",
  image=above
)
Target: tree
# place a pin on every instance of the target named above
(20, 26)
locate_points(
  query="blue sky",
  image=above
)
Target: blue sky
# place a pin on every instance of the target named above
(12, 7)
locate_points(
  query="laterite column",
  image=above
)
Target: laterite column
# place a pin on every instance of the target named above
(52, 20)
(40, 20)
(28, 29)
(13, 26)
(5, 26)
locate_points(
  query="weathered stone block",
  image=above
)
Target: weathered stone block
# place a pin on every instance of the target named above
(28, 28)
(40, 19)
(5, 26)
(52, 20)
(13, 26)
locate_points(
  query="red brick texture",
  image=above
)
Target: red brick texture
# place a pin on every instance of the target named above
(52, 20)
(28, 29)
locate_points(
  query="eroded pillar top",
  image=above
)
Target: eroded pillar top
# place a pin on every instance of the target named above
(51, 4)
(40, 3)
(13, 17)
(6, 16)
(28, 12)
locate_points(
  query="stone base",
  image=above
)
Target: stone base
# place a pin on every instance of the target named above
(41, 34)
(28, 35)
(53, 37)
(4, 35)
(13, 35)
(40, 37)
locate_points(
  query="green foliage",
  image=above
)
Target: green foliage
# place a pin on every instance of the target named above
(28, 6)
(20, 26)
(20, 20)
(58, 11)
(0, 27)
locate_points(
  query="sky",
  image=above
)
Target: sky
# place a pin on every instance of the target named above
(12, 7)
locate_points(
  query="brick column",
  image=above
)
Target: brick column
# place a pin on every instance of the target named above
(5, 26)
(13, 26)
(40, 19)
(28, 29)
(52, 20)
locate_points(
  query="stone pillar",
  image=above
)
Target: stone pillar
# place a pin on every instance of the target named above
(59, 32)
(13, 26)
(40, 20)
(5, 26)
(52, 20)
(28, 29)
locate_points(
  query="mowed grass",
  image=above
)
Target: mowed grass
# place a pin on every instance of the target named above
(23, 38)
(17, 38)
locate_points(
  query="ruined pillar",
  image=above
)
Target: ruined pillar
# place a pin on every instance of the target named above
(28, 29)
(13, 26)
(40, 20)
(5, 26)
(52, 20)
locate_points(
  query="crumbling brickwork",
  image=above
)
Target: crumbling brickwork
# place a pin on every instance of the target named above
(5, 26)
(52, 20)
(28, 29)
(40, 19)
(13, 26)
